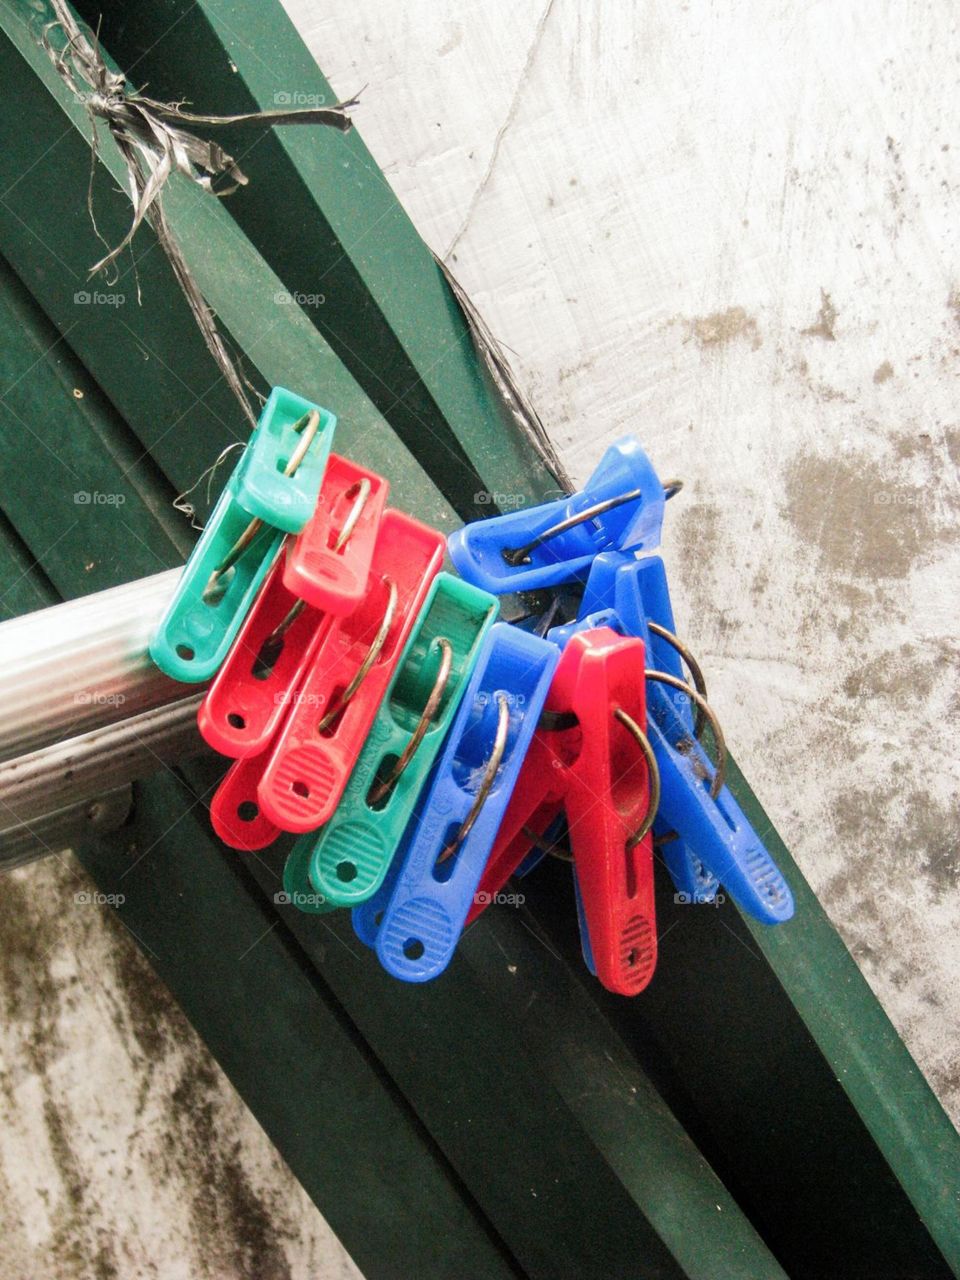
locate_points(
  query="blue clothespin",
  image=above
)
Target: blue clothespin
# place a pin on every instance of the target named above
(621, 506)
(426, 899)
(716, 841)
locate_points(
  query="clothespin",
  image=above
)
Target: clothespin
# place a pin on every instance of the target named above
(235, 811)
(257, 683)
(216, 588)
(632, 597)
(591, 755)
(427, 900)
(280, 472)
(325, 729)
(703, 834)
(261, 674)
(620, 506)
(328, 564)
(352, 851)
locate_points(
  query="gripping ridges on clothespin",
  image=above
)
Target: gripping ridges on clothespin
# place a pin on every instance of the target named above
(437, 871)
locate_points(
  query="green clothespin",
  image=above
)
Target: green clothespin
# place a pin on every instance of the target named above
(280, 473)
(215, 590)
(350, 855)
(273, 490)
(297, 890)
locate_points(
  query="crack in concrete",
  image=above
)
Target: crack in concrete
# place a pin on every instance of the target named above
(501, 132)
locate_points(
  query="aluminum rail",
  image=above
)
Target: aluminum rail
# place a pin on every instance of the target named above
(85, 714)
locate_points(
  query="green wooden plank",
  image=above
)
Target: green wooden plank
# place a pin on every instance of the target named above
(55, 422)
(297, 1062)
(148, 359)
(23, 584)
(742, 1072)
(536, 1105)
(429, 1224)
(322, 214)
(583, 1163)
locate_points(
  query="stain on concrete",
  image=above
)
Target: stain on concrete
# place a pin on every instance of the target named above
(698, 535)
(722, 327)
(243, 1233)
(953, 303)
(903, 678)
(823, 326)
(908, 445)
(883, 373)
(864, 519)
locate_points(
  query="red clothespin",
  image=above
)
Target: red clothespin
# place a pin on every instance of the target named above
(326, 727)
(329, 562)
(257, 683)
(591, 756)
(234, 810)
(323, 573)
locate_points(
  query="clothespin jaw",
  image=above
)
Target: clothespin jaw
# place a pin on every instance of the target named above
(280, 473)
(216, 588)
(460, 814)
(328, 564)
(325, 729)
(620, 506)
(354, 849)
(234, 812)
(258, 680)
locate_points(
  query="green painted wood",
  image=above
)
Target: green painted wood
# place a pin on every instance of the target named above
(148, 358)
(55, 423)
(263, 1025)
(324, 217)
(738, 1066)
(23, 584)
(380, 1181)
(545, 1150)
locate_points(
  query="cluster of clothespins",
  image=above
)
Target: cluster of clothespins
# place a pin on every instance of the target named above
(426, 752)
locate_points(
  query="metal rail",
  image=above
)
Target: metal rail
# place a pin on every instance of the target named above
(85, 714)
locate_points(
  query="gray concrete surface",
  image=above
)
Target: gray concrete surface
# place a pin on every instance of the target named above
(731, 229)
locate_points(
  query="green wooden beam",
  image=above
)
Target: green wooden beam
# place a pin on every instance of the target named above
(148, 358)
(350, 1138)
(325, 219)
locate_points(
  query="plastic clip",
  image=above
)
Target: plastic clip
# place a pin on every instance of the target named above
(328, 564)
(234, 811)
(258, 681)
(620, 506)
(593, 761)
(703, 834)
(215, 591)
(354, 849)
(436, 883)
(280, 472)
(325, 729)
